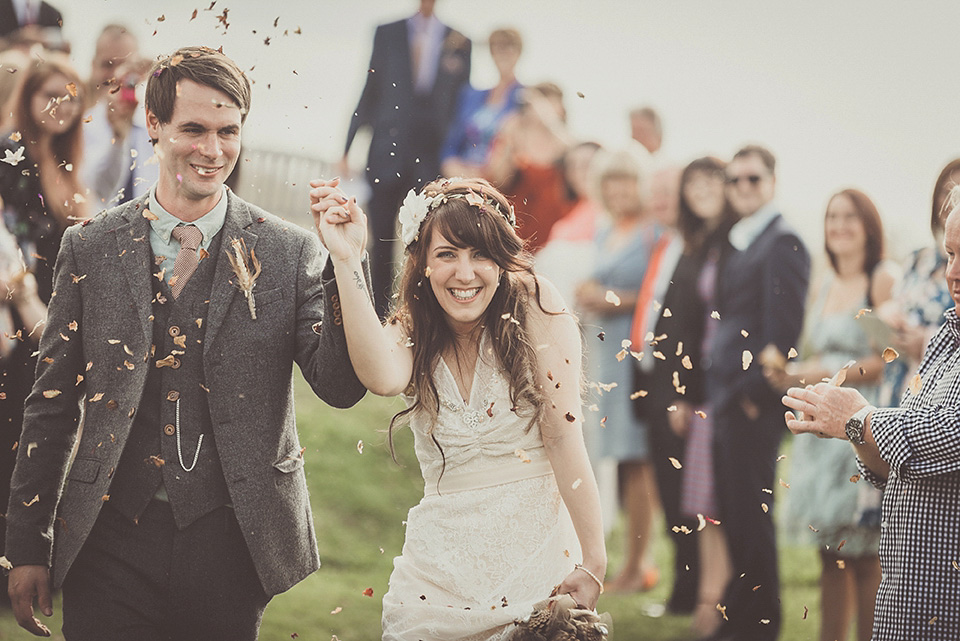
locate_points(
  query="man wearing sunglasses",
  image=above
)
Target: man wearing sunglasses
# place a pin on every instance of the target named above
(760, 291)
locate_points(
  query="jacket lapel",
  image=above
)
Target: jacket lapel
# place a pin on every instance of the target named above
(133, 254)
(224, 290)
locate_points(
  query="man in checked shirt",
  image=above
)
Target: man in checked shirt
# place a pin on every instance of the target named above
(912, 452)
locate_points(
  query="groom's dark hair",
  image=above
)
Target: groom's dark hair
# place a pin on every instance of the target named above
(202, 65)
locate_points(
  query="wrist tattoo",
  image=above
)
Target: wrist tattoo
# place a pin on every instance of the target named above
(359, 280)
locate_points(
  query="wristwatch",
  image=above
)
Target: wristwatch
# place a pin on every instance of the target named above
(855, 425)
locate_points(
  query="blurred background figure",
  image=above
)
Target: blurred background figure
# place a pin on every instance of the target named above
(25, 23)
(117, 148)
(915, 312)
(845, 516)
(17, 14)
(21, 316)
(646, 128)
(40, 186)
(526, 162)
(569, 252)
(675, 407)
(761, 289)
(417, 69)
(12, 61)
(481, 112)
(607, 299)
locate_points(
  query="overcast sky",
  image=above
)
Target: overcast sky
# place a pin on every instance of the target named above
(861, 94)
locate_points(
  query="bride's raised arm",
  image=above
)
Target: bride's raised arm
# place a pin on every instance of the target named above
(379, 353)
(559, 354)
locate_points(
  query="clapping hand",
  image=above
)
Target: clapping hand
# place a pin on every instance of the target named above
(341, 223)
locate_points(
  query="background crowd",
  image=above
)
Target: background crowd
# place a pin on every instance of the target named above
(684, 343)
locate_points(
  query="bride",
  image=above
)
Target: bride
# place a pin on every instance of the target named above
(490, 368)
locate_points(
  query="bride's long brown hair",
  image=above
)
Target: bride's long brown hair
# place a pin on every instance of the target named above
(487, 230)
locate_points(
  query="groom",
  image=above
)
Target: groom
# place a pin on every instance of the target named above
(185, 508)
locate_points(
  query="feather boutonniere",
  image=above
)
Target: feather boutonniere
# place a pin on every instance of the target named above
(247, 269)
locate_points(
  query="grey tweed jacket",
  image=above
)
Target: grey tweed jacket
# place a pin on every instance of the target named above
(95, 354)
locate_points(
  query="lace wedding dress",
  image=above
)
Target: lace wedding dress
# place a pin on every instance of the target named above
(491, 536)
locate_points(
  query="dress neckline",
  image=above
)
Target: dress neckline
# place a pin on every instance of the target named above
(476, 375)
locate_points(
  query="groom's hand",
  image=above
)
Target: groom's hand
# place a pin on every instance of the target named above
(26, 583)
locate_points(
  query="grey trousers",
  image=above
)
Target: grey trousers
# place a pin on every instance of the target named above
(149, 581)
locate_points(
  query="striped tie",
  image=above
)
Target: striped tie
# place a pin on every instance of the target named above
(187, 259)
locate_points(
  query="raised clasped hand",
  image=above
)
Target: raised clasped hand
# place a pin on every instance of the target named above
(340, 222)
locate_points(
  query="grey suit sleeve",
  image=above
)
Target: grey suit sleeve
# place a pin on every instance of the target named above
(321, 344)
(51, 418)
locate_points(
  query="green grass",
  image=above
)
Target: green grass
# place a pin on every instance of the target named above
(360, 501)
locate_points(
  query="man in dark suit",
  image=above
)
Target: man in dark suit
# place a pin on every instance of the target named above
(417, 70)
(185, 508)
(17, 14)
(761, 290)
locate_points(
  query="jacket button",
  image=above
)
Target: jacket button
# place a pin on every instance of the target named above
(169, 429)
(176, 364)
(174, 330)
(173, 395)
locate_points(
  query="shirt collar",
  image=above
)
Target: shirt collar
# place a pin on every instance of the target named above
(208, 224)
(746, 230)
(953, 323)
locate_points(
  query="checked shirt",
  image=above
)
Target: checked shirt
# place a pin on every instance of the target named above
(919, 595)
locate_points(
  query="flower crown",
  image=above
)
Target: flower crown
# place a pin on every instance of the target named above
(416, 206)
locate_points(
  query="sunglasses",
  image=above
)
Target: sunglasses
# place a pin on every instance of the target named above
(753, 179)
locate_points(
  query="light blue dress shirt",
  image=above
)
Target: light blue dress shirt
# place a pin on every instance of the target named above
(162, 241)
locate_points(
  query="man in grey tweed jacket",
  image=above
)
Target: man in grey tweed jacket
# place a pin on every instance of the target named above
(184, 507)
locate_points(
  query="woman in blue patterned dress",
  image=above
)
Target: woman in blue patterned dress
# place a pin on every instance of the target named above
(916, 310)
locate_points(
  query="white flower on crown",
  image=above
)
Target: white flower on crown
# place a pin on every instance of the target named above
(412, 213)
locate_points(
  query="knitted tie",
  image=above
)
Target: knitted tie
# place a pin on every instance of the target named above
(187, 260)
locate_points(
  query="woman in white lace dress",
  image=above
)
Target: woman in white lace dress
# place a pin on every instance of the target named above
(490, 367)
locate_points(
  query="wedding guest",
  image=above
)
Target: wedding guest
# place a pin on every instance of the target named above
(676, 406)
(417, 69)
(43, 193)
(186, 507)
(481, 112)
(910, 452)
(22, 314)
(12, 62)
(916, 310)
(525, 162)
(490, 368)
(18, 14)
(608, 298)
(760, 294)
(118, 152)
(844, 516)
(570, 249)
(646, 128)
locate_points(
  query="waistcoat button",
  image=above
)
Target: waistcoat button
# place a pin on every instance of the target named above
(174, 330)
(169, 429)
(173, 395)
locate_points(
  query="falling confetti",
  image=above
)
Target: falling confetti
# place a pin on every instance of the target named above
(889, 355)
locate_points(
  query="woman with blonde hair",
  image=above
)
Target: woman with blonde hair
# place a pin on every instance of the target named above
(39, 178)
(490, 368)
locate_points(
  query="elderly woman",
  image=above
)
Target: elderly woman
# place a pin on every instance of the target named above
(607, 299)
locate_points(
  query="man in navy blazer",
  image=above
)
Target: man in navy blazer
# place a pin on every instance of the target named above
(417, 70)
(761, 290)
(16, 15)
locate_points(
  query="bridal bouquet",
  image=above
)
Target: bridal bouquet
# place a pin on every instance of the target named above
(559, 618)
